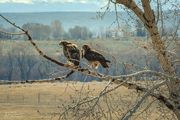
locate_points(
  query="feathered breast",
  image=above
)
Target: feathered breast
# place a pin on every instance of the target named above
(72, 53)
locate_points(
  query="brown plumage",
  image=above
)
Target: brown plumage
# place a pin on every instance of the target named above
(94, 58)
(71, 52)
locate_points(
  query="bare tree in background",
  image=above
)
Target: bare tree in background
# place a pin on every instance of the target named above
(57, 30)
(24, 60)
(10, 65)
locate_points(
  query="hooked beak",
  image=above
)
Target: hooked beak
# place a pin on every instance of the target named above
(60, 43)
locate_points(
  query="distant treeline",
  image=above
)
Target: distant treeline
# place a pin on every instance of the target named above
(20, 62)
(56, 31)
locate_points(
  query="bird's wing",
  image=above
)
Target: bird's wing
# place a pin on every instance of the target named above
(74, 54)
(94, 56)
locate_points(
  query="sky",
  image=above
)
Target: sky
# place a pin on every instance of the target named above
(50, 5)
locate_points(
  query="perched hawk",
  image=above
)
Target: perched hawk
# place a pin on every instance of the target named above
(94, 58)
(71, 52)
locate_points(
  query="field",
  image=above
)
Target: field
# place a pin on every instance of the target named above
(37, 101)
(44, 101)
(52, 46)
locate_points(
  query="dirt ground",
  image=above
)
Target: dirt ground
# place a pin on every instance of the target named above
(43, 101)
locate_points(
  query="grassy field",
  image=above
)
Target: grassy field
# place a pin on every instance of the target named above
(44, 101)
(37, 101)
(52, 47)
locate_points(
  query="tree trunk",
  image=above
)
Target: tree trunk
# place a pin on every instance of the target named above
(173, 84)
(148, 18)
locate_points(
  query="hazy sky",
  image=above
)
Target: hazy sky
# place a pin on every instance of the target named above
(50, 5)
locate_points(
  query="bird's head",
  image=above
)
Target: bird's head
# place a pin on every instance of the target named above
(86, 47)
(64, 43)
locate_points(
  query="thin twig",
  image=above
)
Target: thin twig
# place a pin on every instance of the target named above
(10, 33)
(137, 105)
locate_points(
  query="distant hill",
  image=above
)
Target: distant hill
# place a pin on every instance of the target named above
(68, 19)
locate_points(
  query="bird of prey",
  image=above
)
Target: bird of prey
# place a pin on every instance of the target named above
(94, 57)
(72, 53)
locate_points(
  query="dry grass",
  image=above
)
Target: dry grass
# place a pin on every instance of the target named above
(38, 101)
(44, 101)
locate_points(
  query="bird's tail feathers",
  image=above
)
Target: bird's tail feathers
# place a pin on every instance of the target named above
(108, 61)
(104, 64)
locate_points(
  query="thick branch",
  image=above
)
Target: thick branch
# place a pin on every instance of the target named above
(133, 6)
(148, 14)
(5, 82)
(147, 9)
(153, 73)
(116, 79)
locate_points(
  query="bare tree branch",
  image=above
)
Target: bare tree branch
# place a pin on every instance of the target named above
(137, 105)
(10, 33)
(132, 5)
